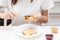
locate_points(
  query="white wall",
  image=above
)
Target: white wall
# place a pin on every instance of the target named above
(57, 0)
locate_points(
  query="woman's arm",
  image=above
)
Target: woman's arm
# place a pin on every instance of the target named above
(44, 17)
(7, 15)
(44, 13)
(1, 14)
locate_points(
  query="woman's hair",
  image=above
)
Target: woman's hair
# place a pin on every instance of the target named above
(15, 1)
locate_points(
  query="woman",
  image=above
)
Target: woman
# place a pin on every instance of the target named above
(20, 8)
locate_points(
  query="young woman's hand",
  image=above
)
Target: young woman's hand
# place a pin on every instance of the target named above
(40, 19)
(8, 15)
(43, 19)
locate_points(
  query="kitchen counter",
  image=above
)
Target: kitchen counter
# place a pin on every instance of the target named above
(7, 33)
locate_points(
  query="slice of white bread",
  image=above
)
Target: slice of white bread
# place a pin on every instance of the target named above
(29, 31)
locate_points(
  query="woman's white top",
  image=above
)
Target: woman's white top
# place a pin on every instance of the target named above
(25, 7)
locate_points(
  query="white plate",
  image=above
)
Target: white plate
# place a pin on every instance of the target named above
(39, 30)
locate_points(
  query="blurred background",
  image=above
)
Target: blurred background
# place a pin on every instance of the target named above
(54, 15)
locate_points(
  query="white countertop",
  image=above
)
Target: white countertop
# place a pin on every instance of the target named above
(6, 33)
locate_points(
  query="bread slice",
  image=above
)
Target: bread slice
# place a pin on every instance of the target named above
(29, 31)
